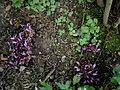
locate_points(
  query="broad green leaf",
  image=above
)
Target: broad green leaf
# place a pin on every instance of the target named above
(67, 84)
(83, 41)
(89, 22)
(60, 85)
(76, 79)
(52, 8)
(88, 17)
(58, 4)
(45, 86)
(35, 1)
(48, 4)
(52, 1)
(98, 29)
(86, 87)
(84, 29)
(95, 20)
(92, 30)
(101, 88)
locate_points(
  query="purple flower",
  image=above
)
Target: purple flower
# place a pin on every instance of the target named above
(92, 48)
(88, 72)
(20, 46)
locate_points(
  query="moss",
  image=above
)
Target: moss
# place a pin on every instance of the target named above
(113, 42)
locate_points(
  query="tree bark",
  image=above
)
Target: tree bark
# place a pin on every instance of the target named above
(100, 3)
(106, 12)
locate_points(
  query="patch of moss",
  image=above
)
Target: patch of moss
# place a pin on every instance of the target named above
(113, 42)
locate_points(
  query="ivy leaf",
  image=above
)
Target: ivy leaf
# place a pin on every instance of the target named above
(76, 79)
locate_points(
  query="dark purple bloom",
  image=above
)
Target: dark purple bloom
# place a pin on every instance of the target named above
(92, 48)
(88, 72)
(20, 45)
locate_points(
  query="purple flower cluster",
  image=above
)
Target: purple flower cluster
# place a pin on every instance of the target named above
(20, 46)
(88, 72)
(90, 47)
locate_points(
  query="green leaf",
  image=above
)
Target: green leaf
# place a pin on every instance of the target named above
(78, 48)
(35, 1)
(90, 21)
(52, 1)
(45, 86)
(84, 29)
(61, 31)
(101, 88)
(58, 4)
(67, 84)
(92, 30)
(88, 17)
(117, 68)
(53, 8)
(83, 41)
(94, 41)
(60, 85)
(86, 87)
(48, 12)
(87, 36)
(76, 79)
(95, 20)
(48, 4)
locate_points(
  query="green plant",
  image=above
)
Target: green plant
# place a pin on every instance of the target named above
(68, 85)
(71, 85)
(45, 86)
(64, 19)
(88, 33)
(17, 3)
(43, 5)
(116, 77)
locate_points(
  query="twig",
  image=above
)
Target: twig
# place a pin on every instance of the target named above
(49, 74)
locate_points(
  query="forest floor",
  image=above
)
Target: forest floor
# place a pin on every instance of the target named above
(51, 52)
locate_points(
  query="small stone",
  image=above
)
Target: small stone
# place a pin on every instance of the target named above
(22, 68)
(8, 8)
(39, 53)
(28, 73)
(63, 58)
